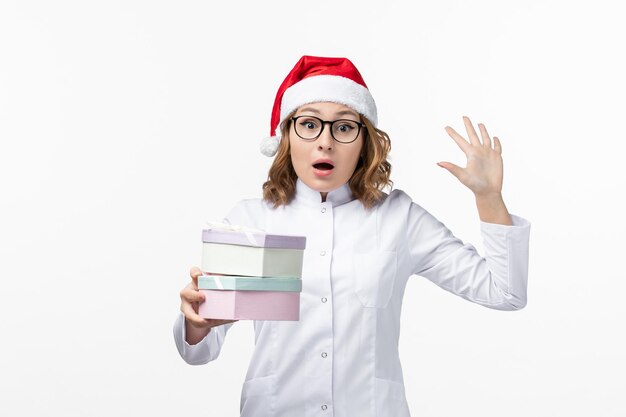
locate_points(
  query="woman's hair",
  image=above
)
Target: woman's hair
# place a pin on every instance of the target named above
(370, 176)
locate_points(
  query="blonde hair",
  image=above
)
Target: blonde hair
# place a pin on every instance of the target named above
(370, 177)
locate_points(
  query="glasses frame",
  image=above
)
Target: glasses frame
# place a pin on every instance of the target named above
(324, 123)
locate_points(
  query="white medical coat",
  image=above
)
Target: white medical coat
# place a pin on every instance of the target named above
(341, 358)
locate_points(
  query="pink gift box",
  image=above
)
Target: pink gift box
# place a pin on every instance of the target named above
(250, 305)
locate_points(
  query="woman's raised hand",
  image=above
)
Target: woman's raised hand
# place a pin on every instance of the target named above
(483, 173)
(190, 299)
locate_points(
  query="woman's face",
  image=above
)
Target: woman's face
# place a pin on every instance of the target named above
(324, 164)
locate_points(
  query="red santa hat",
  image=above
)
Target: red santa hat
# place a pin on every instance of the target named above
(317, 79)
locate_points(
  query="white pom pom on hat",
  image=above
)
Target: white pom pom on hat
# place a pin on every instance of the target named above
(317, 79)
(269, 145)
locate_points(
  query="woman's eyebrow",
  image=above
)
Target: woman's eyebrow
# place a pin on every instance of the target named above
(311, 109)
(346, 112)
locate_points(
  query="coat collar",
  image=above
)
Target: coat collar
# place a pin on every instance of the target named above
(309, 196)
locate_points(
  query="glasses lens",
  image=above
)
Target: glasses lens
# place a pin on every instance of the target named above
(308, 127)
(345, 130)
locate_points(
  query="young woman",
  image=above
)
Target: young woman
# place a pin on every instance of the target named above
(341, 358)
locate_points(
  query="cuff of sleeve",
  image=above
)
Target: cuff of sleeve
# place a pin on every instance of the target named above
(190, 353)
(518, 223)
(506, 250)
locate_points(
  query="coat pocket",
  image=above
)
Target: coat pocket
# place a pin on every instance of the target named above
(374, 274)
(257, 397)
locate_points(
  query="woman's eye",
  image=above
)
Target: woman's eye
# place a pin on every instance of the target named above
(345, 128)
(308, 124)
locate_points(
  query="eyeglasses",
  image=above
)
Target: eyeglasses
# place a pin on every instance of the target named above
(343, 130)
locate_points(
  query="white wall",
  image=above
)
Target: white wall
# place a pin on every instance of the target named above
(125, 125)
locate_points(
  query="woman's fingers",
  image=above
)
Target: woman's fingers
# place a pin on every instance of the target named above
(474, 140)
(194, 273)
(485, 135)
(191, 295)
(192, 317)
(190, 298)
(471, 132)
(460, 140)
(497, 145)
(455, 170)
(195, 319)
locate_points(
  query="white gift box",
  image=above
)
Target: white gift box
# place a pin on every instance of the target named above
(252, 253)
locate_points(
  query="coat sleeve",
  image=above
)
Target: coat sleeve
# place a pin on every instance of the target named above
(208, 349)
(496, 280)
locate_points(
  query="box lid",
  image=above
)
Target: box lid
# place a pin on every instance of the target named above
(248, 237)
(230, 282)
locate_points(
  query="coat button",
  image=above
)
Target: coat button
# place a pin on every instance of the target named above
(323, 253)
(324, 406)
(324, 299)
(323, 209)
(324, 354)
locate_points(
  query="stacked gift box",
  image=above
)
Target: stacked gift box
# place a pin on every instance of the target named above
(250, 274)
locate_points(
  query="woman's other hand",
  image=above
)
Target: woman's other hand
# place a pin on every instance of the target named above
(483, 173)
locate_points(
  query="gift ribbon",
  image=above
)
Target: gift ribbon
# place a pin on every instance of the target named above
(217, 280)
(234, 228)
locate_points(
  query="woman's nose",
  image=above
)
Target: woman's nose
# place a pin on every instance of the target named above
(325, 140)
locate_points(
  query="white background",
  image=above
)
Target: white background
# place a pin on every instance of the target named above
(125, 125)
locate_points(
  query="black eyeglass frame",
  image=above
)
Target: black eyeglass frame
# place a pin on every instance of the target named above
(325, 122)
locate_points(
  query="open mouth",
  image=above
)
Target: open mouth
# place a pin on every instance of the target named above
(323, 166)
